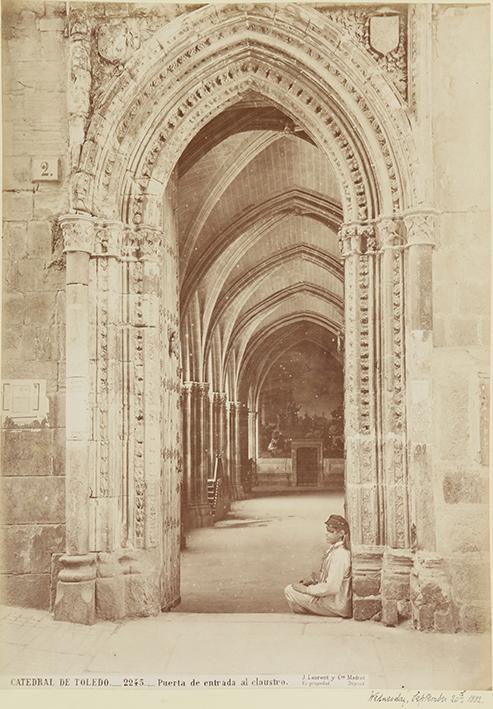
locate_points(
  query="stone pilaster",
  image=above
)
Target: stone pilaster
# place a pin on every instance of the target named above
(432, 607)
(120, 514)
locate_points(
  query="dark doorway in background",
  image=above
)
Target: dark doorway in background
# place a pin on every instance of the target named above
(307, 465)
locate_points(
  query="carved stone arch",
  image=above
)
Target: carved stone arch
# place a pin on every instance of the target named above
(343, 100)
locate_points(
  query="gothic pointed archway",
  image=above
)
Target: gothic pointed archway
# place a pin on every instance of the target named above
(123, 315)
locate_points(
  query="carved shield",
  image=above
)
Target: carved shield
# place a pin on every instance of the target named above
(384, 33)
(112, 42)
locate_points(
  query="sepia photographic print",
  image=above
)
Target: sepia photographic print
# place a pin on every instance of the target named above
(245, 351)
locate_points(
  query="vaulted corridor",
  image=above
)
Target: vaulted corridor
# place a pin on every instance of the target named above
(243, 563)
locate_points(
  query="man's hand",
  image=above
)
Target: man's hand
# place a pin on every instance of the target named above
(301, 587)
(306, 582)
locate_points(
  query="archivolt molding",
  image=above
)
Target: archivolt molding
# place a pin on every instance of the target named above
(144, 120)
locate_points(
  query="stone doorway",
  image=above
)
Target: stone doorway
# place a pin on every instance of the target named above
(125, 331)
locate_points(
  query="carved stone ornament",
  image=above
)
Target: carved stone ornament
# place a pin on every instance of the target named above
(173, 344)
(217, 85)
(78, 233)
(384, 32)
(109, 238)
(421, 228)
(116, 42)
(389, 233)
(357, 239)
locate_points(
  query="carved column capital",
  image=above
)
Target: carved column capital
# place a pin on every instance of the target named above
(186, 387)
(150, 243)
(109, 239)
(144, 243)
(78, 232)
(203, 389)
(357, 238)
(390, 232)
(219, 398)
(421, 228)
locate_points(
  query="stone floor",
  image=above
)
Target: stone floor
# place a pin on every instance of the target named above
(244, 562)
(238, 644)
(236, 573)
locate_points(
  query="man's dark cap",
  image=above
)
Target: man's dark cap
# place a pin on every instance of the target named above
(338, 522)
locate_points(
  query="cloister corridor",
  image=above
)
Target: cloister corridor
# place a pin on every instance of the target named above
(242, 564)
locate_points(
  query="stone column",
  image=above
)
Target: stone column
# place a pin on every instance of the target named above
(188, 457)
(79, 86)
(216, 414)
(397, 558)
(75, 597)
(229, 410)
(171, 478)
(238, 492)
(420, 235)
(252, 435)
(363, 465)
(432, 607)
(105, 362)
(393, 384)
(196, 429)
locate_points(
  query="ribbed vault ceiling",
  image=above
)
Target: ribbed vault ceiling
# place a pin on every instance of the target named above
(258, 212)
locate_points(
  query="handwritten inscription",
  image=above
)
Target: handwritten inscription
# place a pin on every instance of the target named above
(425, 698)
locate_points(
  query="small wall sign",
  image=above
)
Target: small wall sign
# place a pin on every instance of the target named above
(24, 402)
(45, 170)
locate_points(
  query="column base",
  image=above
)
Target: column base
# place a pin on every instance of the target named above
(110, 589)
(431, 599)
(367, 571)
(111, 586)
(237, 491)
(396, 593)
(199, 515)
(75, 599)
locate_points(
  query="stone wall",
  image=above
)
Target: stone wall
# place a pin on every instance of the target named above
(461, 297)
(34, 128)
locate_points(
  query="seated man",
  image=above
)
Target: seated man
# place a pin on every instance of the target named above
(330, 594)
